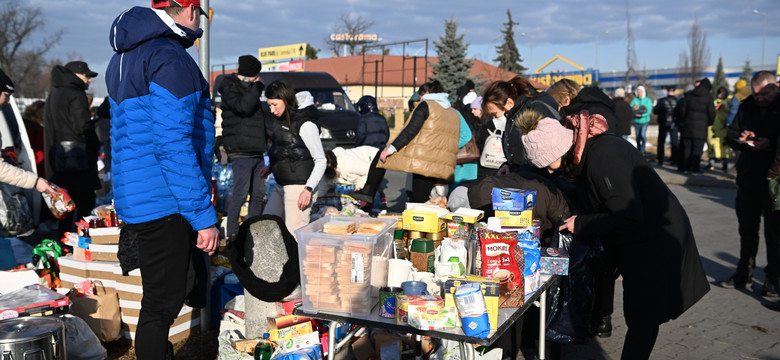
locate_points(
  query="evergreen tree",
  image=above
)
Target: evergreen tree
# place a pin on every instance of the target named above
(720, 78)
(508, 56)
(453, 68)
(747, 71)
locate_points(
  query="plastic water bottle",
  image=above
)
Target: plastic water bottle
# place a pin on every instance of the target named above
(264, 350)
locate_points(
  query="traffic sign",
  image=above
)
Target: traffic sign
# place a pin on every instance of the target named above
(282, 52)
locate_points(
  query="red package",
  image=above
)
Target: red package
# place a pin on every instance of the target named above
(498, 258)
(59, 202)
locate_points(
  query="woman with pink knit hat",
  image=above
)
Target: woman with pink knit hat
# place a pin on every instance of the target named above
(646, 233)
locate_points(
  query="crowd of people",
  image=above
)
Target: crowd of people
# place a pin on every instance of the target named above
(561, 140)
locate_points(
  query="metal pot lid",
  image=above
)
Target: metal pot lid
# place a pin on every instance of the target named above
(28, 328)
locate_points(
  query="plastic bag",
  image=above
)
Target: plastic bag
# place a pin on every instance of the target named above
(59, 202)
(80, 342)
(570, 301)
(15, 215)
(226, 349)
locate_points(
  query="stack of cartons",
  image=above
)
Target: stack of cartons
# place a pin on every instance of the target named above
(129, 288)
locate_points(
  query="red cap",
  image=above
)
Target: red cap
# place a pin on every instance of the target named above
(156, 4)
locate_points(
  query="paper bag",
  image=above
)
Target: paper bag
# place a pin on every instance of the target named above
(100, 312)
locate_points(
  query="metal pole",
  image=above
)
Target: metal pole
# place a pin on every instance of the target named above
(403, 68)
(203, 59)
(425, 76)
(414, 75)
(376, 77)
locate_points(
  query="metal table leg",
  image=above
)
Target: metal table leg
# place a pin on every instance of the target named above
(332, 341)
(542, 322)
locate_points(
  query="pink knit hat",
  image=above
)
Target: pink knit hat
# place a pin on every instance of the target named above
(548, 142)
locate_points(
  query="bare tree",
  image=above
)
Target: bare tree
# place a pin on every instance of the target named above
(350, 32)
(24, 62)
(694, 59)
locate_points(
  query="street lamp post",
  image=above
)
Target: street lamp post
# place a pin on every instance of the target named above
(530, 63)
(606, 32)
(763, 37)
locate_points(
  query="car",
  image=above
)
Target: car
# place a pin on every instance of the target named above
(338, 116)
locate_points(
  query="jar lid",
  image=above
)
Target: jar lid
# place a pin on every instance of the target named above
(27, 328)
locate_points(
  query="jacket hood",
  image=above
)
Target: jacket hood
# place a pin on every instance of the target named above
(139, 24)
(442, 98)
(62, 77)
(594, 95)
(704, 88)
(309, 113)
(367, 104)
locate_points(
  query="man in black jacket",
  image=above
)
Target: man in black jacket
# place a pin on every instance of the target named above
(754, 133)
(243, 136)
(697, 113)
(372, 129)
(69, 137)
(666, 125)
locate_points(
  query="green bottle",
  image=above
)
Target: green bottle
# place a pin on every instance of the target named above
(264, 350)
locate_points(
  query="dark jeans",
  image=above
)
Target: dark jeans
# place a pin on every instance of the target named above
(670, 130)
(751, 205)
(690, 154)
(246, 181)
(85, 203)
(173, 270)
(374, 177)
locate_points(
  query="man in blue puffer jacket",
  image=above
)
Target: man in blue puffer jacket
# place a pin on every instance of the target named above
(162, 134)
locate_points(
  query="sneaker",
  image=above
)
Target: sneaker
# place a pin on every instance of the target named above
(770, 288)
(772, 305)
(732, 283)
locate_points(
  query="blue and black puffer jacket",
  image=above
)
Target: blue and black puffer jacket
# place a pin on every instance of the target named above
(162, 128)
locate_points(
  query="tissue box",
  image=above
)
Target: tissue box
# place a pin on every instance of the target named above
(508, 199)
(554, 261)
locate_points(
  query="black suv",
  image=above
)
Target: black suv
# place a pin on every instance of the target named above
(338, 117)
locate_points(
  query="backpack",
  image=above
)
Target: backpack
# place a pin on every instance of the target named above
(493, 151)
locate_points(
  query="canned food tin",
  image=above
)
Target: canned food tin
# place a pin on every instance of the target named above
(387, 300)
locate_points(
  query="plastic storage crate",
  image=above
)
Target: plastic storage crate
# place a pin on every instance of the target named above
(336, 270)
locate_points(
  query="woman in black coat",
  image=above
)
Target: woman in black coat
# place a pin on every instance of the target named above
(643, 227)
(697, 113)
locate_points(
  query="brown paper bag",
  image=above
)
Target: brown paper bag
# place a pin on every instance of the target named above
(100, 312)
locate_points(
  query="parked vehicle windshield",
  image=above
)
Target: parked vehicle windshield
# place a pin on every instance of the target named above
(330, 99)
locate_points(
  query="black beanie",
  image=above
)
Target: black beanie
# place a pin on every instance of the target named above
(248, 65)
(5, 82)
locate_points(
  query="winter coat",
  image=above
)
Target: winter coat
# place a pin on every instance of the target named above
(551, 205)
(645, 231)
(291, 161)
(752, 164)
(353, 164)
(162, 128)
(665, 110)
(594, 101)
(35, 134)
(717, 148)
(372, 130)
(66, 117)
(697, 111)
(466, 171)
(243, 119)
(16, 176)
(624, 115)
(429, 148)
(542, 103)
(647, 104)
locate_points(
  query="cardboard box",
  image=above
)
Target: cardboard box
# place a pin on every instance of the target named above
(490, 290)
(522, 219)
(419, 217)
(404, 302)
(299, 342)
(465, 215)
(291, 331)
(286, 307)
(100, 252)
(286, 321)
(104, 236)
(554, 261)
(509, 199)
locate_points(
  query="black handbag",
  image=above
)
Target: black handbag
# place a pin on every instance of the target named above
(70, 156)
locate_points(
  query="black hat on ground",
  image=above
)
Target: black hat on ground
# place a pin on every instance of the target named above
(248, 65)
(80, 67)
(5, 83)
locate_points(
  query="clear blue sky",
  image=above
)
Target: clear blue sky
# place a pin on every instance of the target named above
(568, 28)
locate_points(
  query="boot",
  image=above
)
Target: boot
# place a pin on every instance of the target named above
(725, 165)
(602, 327)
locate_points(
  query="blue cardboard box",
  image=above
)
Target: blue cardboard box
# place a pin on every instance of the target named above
(508, 199)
